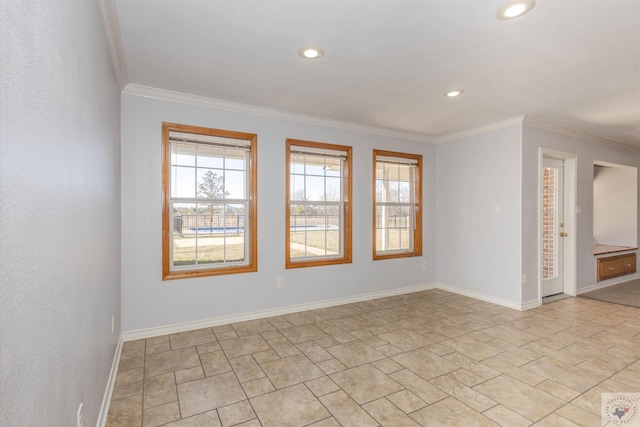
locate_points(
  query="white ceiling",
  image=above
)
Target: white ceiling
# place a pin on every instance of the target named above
(569, 63)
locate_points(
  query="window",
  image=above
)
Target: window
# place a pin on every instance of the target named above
(209, 202)
(397, 210)
(318, 220)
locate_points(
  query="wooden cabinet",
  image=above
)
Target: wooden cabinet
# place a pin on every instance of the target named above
(615, 266)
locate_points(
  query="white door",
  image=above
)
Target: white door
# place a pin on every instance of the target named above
(552, 226)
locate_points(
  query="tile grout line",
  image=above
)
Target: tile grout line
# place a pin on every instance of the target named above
(478, 312)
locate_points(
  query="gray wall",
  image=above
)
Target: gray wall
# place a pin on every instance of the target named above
(587, 152)
(479, 249)
(59, 212)
(148, 302)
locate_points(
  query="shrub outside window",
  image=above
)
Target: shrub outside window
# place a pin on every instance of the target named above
(209, 202)
(397, 210)
(318, 219)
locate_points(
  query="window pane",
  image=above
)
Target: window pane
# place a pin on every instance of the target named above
(332, 189)
(297, 217)
(235, 160)
(393, 183)
(224, 241)
(380, 192)
(316, 241)
(209, 219)
(333, 167)
(296, 164)
(183, 154)
(391, 171)
(315, 230)
(234, 185)
(208, 233)
(184, 240)
(314, 188)
(183, 181)
(333, 242)
(333, 215)
(394, 228)
(404, 172)
(298, 229)
(210, 183)
(314, 166)
(404, 190)
(391, 191)
(296, 186)
(210, 157)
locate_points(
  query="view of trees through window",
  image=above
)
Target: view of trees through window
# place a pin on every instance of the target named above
(208, 229)
(317, 198)
(208, 201)
(315, 205)
(210, 213)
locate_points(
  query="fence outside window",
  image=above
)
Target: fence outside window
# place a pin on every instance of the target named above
(187, 225)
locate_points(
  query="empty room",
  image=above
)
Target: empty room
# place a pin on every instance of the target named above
(272, 213)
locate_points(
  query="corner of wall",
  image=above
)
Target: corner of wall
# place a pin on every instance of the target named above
(106, 400)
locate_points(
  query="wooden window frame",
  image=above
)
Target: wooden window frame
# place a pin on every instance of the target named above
(417, 182)
(347, 186)
(251, 224)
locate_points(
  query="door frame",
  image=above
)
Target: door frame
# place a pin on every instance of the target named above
(571, 211)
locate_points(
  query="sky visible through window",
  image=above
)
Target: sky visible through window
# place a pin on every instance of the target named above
(188, 170)
(315, 178)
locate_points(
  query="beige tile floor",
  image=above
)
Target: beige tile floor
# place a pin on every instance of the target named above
(430, 358)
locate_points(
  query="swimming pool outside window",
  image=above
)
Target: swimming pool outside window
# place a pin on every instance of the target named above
(318, 219)
(209, 202)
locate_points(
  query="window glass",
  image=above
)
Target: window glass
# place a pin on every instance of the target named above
(209, 218)
(397, 228)
(319, 214)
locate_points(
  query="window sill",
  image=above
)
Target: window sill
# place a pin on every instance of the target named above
(394, 255)
(317, 262)
(188, 274)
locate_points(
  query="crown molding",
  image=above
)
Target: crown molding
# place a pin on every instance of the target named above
(539, 124)
(536, 123)
(203, 101)
(111, 26)
(515, 121)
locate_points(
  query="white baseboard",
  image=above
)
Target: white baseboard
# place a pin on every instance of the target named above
(608, 283)
(530, 304)
(106, 400)
(482, 297)
(223, 320)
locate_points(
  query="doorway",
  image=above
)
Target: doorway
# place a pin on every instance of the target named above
(557, 224)
(553, 233)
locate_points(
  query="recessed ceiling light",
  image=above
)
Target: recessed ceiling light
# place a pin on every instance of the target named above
(515, 8)
(311, 52)
(453, 93)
